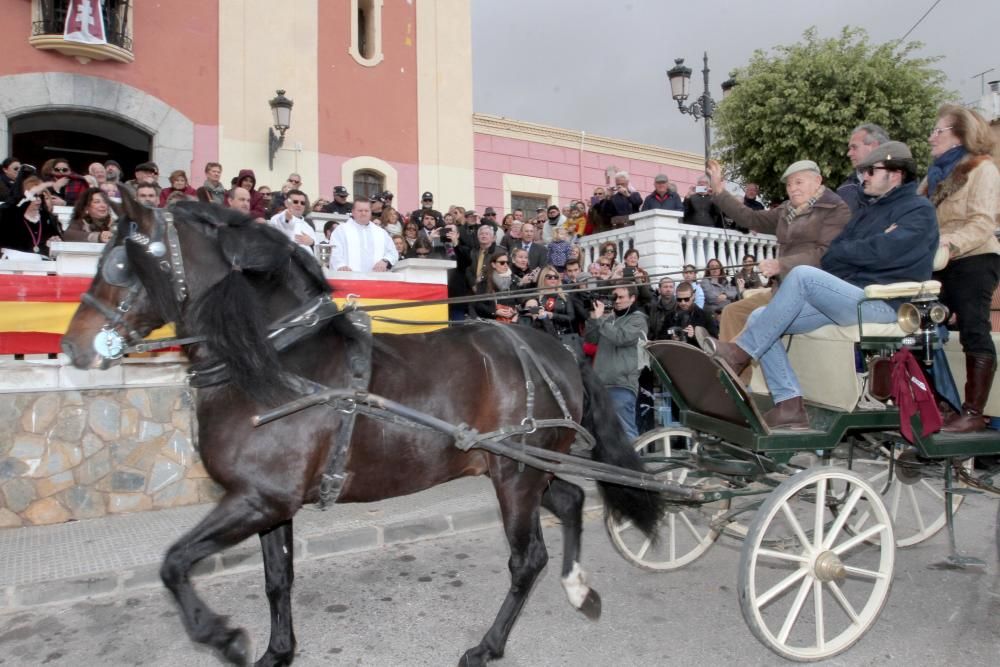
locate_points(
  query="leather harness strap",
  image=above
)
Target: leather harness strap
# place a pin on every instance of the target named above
(359, 367)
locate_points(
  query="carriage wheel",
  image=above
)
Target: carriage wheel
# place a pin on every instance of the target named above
(813, 595)
(916, 502)
(684, 532)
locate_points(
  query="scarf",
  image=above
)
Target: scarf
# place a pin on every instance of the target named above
(942, 167)
(805, 208)
(502, 281)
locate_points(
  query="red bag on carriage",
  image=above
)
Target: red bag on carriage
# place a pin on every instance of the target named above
(913, 393)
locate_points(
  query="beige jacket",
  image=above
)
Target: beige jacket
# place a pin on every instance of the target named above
(968, 207)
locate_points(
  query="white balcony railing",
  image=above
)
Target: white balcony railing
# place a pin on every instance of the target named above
(665, 244)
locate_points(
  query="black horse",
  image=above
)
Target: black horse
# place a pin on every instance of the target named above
(218, 275)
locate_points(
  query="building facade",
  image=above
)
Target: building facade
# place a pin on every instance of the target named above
(382, 96)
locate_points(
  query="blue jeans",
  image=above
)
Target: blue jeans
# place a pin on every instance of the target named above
(624, 403)
(808, 299)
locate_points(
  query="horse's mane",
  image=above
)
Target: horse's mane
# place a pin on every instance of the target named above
(231, 313)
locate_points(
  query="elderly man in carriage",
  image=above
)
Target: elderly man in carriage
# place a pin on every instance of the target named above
(892, 240)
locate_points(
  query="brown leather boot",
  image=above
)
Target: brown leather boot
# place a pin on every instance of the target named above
(979, 369)
(790, 414)
(732, 354)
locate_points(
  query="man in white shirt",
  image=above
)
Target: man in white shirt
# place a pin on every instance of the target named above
(359, 245)
(291, 220)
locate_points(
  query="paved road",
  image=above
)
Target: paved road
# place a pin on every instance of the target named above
(424, 603)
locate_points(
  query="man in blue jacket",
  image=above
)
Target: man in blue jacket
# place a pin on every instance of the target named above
(892, 239)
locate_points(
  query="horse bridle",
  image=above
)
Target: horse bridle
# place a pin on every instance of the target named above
(114, 339)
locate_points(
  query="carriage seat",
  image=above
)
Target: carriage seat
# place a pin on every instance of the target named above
(823, 359)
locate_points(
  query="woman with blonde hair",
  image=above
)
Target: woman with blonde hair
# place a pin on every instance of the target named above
(963, 183)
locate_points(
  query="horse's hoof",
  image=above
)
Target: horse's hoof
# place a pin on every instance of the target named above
(236, 649)
(270, 659)
(591, 607)
(475, 657)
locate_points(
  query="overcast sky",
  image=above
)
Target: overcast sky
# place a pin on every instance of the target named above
(601, 66)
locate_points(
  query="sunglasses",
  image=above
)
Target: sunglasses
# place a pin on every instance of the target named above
(551, 276)
(61, 170)
(501, 262)
(871, 170)
(299, 202)
(295, 181)
(604, 265)
(683, 300)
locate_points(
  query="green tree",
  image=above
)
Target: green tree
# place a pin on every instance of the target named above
(802, 101)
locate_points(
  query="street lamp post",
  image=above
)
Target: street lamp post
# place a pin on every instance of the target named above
(281, 110)
(704, 106)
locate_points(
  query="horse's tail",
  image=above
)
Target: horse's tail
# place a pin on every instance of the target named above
(642, 507)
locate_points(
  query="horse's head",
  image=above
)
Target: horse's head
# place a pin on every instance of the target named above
(139, 286)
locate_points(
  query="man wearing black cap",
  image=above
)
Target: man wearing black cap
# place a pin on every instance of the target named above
(339, 205)
(145, 172)
(427, 204)
(891, 240)
(113, 171)
(553, 218)
(377, 203)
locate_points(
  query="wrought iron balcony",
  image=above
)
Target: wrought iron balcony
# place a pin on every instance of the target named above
(49, 18)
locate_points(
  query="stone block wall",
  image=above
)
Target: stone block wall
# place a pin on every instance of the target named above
(82, 454)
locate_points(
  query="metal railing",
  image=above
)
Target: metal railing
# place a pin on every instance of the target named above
(116, 21)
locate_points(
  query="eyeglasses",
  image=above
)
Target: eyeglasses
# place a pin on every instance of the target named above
(295, 180)
(604, 264)
(551, 276)
(938, 131)
(871, 170)
(681, 299)
(60, 170)
(610, 251)
(299, 202)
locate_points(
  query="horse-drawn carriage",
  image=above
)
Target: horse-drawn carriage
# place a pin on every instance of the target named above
(512, 404)
(830, 504)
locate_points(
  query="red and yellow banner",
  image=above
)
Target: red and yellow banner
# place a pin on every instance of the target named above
(35, 310)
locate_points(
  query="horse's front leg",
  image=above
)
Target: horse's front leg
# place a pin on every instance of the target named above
(279, 574)
(235, 518)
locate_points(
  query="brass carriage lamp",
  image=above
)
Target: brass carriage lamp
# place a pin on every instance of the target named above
(281, 109)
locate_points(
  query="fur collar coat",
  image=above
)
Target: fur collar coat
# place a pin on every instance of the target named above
(968, 207)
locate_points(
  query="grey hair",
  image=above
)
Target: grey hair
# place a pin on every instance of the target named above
(873, 134)
(622, 174)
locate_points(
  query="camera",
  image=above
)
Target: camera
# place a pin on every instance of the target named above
(677, 333)
(530, 310)
(606, 300)
(700, 189)
(628, 272)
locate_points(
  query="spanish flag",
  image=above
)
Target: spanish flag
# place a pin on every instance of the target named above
(36, 310)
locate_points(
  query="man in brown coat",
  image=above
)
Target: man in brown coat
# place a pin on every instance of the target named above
(805, 225)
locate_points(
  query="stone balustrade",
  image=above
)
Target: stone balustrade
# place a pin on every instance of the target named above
(665, 243)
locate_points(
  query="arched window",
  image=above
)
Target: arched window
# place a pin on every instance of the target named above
(366, 32)
(368, 182)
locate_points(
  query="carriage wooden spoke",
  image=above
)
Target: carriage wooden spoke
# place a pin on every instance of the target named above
(685, 533)
(820, 596)
(913, 492)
